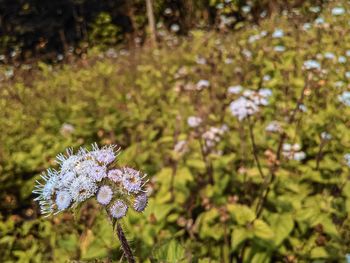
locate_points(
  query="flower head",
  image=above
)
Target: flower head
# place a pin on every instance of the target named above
(140, 202)
(63, 200)
(132, 181)
(104, 195)
(118, 209)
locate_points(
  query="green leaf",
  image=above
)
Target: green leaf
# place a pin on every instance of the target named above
(171, 251)
(282, 225)
(262, 230)
(239, 234)
(242, 213)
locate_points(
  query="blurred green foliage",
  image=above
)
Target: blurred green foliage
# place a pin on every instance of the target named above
(141, 100)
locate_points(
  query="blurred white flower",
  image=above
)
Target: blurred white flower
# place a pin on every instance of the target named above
(345, 98)
(312, 64)
(319, 21)
(202, 84)
(180, 146)
(307, 26)
(278, 33)
(235, 89)
(273, 126)
(337, 11)
(201, 60)
(67, 129)
(243, 107)
(329, 55)
(342, 59)
(280, 48)
(175, 28)
(194, 121)
(326, 136)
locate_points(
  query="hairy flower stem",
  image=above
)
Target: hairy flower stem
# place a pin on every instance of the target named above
(124, 243)
(255, 153)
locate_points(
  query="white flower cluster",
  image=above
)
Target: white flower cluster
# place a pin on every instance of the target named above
(293, 152)
(249, 103)
(87, 174)
(212, 136)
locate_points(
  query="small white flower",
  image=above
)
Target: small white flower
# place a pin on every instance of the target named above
(329, 55)
(67, 129)
(299, 156)
(82, 188)
(312, 64)
(278, 33)
(235, 89)
(115, 175)
(118, 209)
(180, 146)
(326, 136)
(132, 181)
(202, 84)
(345, 98)
(337, 11)
(63, 200)
(319, 21)
(194, 121)
(104, 195)
(273, 126)
(175, 27)
(280, 48)
(306, 26)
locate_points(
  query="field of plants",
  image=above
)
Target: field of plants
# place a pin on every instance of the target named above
(244, 137)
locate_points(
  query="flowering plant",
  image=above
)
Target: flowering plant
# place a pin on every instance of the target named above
(88, 174)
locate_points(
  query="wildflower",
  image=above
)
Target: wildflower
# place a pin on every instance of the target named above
(175, 28)
(312, 64)
(247, 53)
(303, 108)
(118, 209)
(63, 200)
(132, 181)
(202, 84)
(194, 121)
(278, 33)
(266, 78)
(273, 126)
(292, 152)
(140, 202)
(105, 155)
(347, 74)
(329, 55)
(347, 53)
(82, 176)
(345, 98)
(341, 59)
(180, 146)
(82, 188)
(306, 26)
(337, 11)
(115, 175)
(326, 136)
(315, 9)
(234, 89)
(280, 48)
(246, 8)
(319, 21)
(243, 107)
(104, 195)
(67, 129)
(201, 61)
